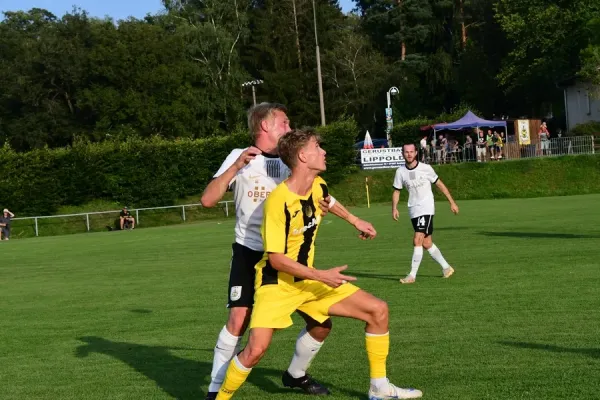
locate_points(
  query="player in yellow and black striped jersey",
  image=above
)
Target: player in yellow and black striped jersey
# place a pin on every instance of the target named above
(290, 227)
(286, 280)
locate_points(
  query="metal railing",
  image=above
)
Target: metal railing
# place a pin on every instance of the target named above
(511, 150)
(137, 214)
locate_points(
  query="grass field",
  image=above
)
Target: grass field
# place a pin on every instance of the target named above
(135, 314)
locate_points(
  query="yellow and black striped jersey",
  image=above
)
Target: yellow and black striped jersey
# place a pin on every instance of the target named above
(290, 226)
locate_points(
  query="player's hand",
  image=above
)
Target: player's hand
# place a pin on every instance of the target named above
(247, 155)
(324, 205)
(454, 208)
(366, 229)
(395, 214)
(334, 278)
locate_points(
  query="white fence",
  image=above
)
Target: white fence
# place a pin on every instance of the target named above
(225, 205)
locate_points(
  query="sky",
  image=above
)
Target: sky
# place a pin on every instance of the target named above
(117, 9)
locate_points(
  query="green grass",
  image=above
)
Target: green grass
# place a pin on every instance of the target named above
(135, 314)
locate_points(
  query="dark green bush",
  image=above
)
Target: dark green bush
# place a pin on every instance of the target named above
(586, 129)
(136, 172)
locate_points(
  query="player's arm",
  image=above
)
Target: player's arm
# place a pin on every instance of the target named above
(366, 229)
(331, 277)
(396, 195)
(395, 201)
(446, 192)
(218, 186)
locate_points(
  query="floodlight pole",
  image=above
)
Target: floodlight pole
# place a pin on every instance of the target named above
(388, 114)
(253, 84)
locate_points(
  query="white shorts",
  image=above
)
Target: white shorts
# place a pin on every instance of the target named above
(481, 151)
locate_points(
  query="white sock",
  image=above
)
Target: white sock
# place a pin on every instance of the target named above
(381, 384)
(437, 256)
(227, 347)
(306, 349)
(416, 260)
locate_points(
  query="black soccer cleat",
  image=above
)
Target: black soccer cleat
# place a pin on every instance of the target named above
(306, 383)
(211, 395)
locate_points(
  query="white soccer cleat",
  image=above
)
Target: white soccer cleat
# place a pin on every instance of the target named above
(409, 279)
(394, 392)
(448, 272)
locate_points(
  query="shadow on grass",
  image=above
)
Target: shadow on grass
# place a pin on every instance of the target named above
(182, 378)
(594, 353)
(141, 311)
(541, 235)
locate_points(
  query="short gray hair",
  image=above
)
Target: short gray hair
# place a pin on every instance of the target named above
(260, 112)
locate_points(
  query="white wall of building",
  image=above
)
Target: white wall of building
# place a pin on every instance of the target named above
(581, 106)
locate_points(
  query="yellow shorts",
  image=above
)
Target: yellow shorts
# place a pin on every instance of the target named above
(275, 304)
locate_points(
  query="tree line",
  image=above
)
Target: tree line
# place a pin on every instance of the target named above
(180, 73)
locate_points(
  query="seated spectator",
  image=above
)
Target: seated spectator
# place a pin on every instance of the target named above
(5, 224)
(126, 217)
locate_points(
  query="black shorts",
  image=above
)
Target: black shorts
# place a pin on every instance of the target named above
(423, 224)
(241, 276)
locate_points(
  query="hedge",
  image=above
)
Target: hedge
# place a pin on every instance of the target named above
(136, 172)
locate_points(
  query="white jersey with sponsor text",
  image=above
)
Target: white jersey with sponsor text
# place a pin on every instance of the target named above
(251, 186)
(418, 182)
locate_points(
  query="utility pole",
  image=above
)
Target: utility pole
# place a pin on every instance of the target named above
(321, 102)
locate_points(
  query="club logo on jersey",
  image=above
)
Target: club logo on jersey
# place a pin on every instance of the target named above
(236, 293)
(308, 211)
(311, 224)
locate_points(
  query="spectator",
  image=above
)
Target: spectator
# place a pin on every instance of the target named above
(5, 224)
(443, 146)
(489, 139)
(469, 148)
(499, 145)
(481, 147)
(544, 139)
(424, 149)
(126, 217)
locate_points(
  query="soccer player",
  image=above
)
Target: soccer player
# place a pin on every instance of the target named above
(417, 178)
(286, 280)
(253, 173)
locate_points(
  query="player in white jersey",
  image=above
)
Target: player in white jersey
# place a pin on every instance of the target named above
(417, 178)
(253, 173)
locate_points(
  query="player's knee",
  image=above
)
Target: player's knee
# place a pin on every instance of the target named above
(320, 331)
(379, 312)
(254, 353)
(239, 317)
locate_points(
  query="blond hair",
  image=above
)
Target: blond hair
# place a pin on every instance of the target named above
(292, 142)
(259, 113)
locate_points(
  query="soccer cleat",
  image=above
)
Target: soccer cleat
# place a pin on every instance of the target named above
(211, 395)
(448, 272)
(394, 392)
(408, 279)
(306, 383)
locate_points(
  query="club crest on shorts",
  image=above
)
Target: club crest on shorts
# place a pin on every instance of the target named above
(235, 293)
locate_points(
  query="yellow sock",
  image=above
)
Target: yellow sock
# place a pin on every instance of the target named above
(378, 347)
(236, 375)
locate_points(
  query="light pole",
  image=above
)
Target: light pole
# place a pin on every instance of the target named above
(321, 102)
(253, 84)
(388, 114)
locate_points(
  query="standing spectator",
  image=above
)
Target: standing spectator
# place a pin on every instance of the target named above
(443, 146)
(481, 147)
(544, 139)
(469, 148)
(126, 217)
(424, 149)
(5, 224)
(499, 145)
(489, 139)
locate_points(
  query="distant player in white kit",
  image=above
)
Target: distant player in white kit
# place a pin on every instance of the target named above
(417, 178)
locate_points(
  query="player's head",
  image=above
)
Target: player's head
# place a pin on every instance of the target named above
(267, 123)
(302, 148)
(409, 151)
